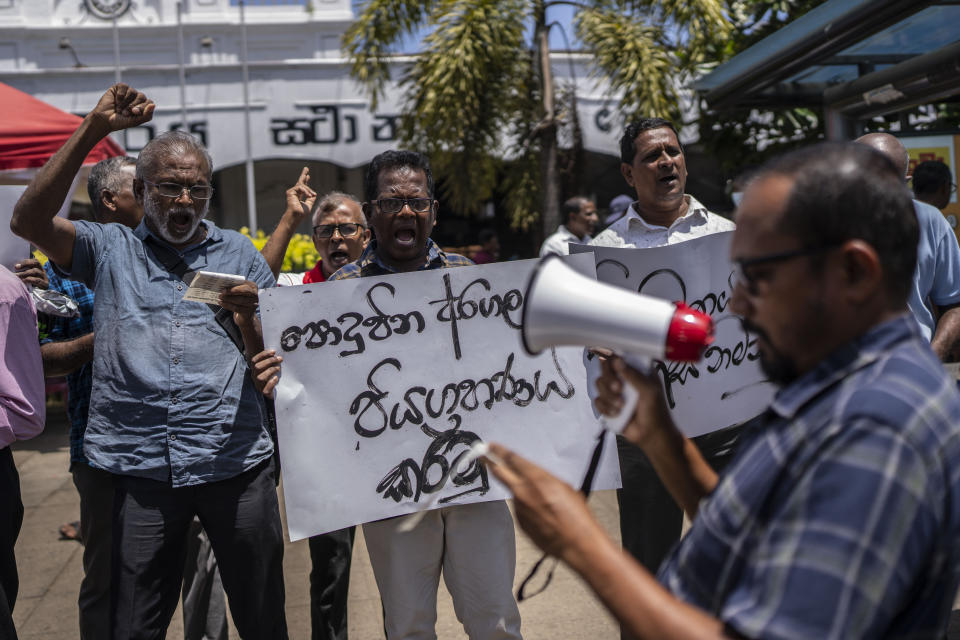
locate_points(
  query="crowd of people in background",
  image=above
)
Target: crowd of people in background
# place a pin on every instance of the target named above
(833, 514)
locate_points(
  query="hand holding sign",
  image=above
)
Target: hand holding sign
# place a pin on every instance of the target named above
(266, 371)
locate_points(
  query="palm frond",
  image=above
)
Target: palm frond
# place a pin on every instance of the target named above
(629, 53)
(369, 40)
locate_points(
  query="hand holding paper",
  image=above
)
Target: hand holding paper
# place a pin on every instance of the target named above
(207, 286)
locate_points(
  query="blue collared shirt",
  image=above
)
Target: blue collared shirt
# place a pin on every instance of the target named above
(936, 278)
(80, 381)
(172, 399)
(840, 515)
(370, 264)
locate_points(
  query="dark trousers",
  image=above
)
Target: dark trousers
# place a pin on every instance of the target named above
(330, 555)
(242, 519)
(96, 490)
(650, 520)
(11, 519)
(204, 605)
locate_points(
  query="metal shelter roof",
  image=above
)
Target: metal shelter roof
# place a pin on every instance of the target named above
(854, 58)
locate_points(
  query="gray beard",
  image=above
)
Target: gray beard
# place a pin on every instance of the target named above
(159, 219)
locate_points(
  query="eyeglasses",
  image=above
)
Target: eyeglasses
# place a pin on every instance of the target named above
(742, 269)
(174, 190)
(395, 205)
(347, 229)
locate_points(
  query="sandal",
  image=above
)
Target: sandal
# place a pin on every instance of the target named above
(71, 531)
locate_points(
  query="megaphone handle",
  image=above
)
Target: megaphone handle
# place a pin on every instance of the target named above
(618, 422)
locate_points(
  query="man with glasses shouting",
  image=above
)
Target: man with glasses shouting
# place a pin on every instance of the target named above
(173, 412)
(340, 232)
(472, 545)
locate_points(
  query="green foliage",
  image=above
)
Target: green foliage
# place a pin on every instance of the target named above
(742, 137)
(474, 94)
(460, 91)
(369, 39)
(301, 255)
(635, 62)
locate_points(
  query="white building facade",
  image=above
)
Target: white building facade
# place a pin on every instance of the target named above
(187, 55)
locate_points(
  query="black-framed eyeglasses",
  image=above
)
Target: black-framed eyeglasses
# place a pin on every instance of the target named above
(743, 268)
(395, 205)
(174, 190)
(346, 229)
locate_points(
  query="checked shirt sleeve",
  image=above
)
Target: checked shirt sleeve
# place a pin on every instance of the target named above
(832, 562)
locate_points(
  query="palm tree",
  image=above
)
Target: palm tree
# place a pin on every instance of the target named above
(481, 99)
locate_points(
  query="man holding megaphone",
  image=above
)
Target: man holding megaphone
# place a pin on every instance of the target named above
(839, 516)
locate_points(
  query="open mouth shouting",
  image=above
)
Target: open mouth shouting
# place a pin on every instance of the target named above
(405, 236)
(338, 258)
(669, 181)
(181, 222)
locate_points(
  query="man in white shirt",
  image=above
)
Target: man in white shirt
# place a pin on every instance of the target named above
(581, 219)
(652, 162)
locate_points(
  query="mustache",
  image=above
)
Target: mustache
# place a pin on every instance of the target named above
(750, 327)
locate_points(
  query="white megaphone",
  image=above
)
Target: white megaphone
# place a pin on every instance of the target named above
(564, 307)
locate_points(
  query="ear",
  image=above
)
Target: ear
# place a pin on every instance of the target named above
(367, 210)
(366, 237)
(627, 172)
(436, 211)
(138, 190)
(863, 275)
(108, 199)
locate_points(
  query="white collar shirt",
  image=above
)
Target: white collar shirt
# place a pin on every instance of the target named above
(558, 242)
(631, 231)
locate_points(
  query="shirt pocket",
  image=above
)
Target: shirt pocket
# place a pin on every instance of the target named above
(213, 371)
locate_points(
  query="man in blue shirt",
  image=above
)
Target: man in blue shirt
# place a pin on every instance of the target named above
(173, 413)
(68, 350)
(839, 517)
(935, 293)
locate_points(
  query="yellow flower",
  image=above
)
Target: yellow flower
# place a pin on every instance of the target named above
(301, 255)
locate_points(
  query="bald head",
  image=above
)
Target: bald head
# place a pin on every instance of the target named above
(889, 146)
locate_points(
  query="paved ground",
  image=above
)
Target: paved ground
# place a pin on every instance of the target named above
(50, 569)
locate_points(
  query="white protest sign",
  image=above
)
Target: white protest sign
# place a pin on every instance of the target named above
(386, 382)
(12, 248)
(727, 386)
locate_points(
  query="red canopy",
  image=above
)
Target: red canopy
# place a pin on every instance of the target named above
(31, 131)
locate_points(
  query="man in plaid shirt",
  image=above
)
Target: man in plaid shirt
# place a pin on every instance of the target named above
(68, 351)
(472, 544)
(839, 517)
